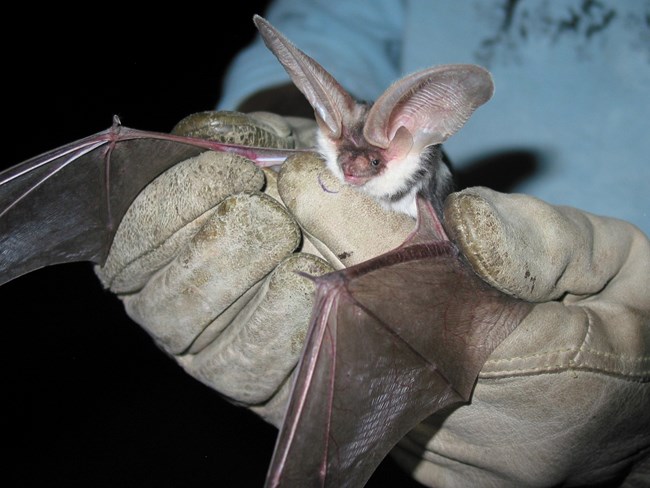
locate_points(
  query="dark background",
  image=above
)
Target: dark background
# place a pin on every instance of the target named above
(87, 399)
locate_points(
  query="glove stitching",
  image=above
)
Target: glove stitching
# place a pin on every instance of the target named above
(568, 359)
(567, 351)
(568, 364)
(641, 376)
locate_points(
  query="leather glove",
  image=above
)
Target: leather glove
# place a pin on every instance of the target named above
(561, 399)
(565, 399)
(206, 262)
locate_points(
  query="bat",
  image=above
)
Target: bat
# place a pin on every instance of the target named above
(389, 149)
(398, 337)
(352, 444)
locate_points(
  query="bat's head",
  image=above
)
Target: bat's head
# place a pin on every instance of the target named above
(380, 147)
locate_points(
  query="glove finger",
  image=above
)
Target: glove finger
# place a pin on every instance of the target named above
(345, 225)
(168, 212)
(538, 252)
(261, 343)
(244, 239)
(273, 411)
(263, 130)
(271, 189)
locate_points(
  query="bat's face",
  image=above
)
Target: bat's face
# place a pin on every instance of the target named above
(389, 175)
(359, 164)
(351, 158)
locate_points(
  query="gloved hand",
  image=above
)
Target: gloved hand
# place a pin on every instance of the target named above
(561, 399)
(206, 263)
(565, 398)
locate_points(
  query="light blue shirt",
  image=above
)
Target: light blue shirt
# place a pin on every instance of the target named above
(572, 82)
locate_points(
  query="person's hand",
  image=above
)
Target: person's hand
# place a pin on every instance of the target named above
(206, 262)
(565, 398)
(566, 383)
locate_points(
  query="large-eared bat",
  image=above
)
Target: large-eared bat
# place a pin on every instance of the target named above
(391, 340)
(398, 337)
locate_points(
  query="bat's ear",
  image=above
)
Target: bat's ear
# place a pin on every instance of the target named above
(333, 106)
(430, 105)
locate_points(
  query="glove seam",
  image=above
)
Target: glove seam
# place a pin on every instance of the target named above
(581, 356)
(567, 351)
(565, 363)
(641, 377)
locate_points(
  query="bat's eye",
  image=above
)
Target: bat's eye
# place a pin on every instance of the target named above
(375, 162)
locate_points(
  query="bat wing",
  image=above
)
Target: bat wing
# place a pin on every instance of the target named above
(65, 205)
(392, 340)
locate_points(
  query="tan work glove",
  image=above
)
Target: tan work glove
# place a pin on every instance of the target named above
(206, 263)
(565, 399)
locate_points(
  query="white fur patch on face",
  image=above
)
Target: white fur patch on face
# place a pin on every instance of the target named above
(327, 150)
(393, 178)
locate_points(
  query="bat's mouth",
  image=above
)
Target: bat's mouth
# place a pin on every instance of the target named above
(355, 180)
